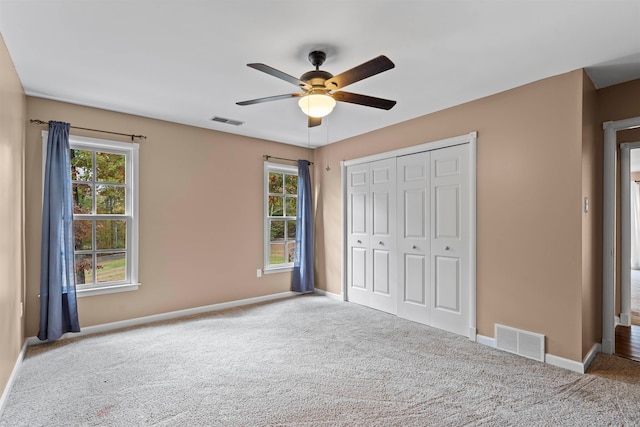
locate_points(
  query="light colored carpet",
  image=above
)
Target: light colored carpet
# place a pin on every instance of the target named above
(308, 361)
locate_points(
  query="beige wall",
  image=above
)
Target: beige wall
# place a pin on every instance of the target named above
(619, 101)
(592, 160)
(12, 118)
(529, 189)
(201, 207)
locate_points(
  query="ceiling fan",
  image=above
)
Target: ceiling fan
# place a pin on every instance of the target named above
(321, 88)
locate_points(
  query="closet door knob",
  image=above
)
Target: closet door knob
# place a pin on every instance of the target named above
(446, 248)
(359, 241)
(414, 247)
(381, 243)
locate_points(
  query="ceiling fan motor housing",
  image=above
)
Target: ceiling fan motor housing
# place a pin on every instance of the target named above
(316, 78)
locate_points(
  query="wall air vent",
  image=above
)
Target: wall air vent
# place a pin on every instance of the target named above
(226, 121)
(524, 343)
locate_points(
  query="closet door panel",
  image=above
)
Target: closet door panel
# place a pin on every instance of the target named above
(415, 284)
(358, 229)
(447, 284)
(358, 277)
(449, 299)
(382, 241)
(381, 282)
(415, 203)
(413, 240)
(359, 214)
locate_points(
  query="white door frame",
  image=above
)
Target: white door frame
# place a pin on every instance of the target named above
(611, 129)
(625, 229)
(471, 139)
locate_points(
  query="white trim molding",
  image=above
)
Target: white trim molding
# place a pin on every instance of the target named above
(107, 327)
(333, 296)
(625, 318)
(572, 365)
(473, 213)
(343, 232)
(80, 293)
(625, 231)
(12, 378)
(285, 267)
(611, 129)
(484, 340)
(590, 357)
(427, 146)
(561, 362)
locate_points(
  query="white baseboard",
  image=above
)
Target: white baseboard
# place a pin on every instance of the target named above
(563, 363)
(488, 341)
(572, 365)
(591, 355)
(560, 362)
(337, 297)
(625, 319)
(88, 330)
(12, 378)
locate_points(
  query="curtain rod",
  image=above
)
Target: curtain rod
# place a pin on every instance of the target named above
(267, 157)
(42, 122)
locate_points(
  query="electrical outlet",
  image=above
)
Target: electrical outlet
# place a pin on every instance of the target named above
(21, 309)
(259, 272)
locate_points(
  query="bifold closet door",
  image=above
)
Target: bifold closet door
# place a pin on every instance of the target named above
(408, 237)
(358, 230)
(383, 236)
(371, 216)
(433, 238)
(450, 220)
(414, 240)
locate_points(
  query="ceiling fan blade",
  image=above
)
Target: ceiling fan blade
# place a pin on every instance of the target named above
(279, 74)
(369, 101)
(315, 121)
(270, 98)
(362, 71)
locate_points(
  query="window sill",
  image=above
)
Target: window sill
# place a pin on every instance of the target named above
(273, 270)
(107, 290)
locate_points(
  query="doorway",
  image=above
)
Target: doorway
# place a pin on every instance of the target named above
(628, 330)
(609, 231)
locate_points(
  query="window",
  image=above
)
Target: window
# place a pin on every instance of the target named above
(105, 218)
(280, 204)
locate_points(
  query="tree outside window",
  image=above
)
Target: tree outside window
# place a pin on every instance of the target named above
(100, 224)
(280, 219)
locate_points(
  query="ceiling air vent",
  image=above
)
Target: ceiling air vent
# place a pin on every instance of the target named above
(226, 121)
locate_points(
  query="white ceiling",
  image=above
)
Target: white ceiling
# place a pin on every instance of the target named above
(185, 61)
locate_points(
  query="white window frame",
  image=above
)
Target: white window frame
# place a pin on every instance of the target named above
(131, 150)
(280, 168)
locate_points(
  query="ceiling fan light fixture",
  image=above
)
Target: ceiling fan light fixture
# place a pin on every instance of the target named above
(317, 105)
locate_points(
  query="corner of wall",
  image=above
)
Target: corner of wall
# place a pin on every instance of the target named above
(12, 225)
(592, 169)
